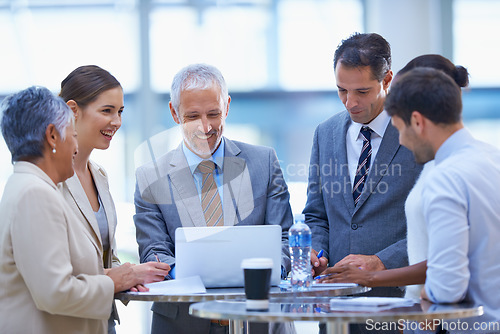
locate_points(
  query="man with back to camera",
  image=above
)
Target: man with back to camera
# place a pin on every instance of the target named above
(460, 202)
(359, 174)
(208, 180)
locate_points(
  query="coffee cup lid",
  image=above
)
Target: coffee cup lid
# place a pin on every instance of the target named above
(257, 263)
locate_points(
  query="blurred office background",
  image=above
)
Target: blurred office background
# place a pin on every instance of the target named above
(276, 56)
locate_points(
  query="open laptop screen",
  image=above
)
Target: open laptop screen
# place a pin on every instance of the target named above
(215, 253)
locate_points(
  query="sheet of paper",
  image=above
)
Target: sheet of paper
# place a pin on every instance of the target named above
(189, 285)
(285, 284)
(334, 285)
(368, 303)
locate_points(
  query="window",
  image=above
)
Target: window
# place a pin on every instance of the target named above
(475, 36)
(282, 44)
(41, 45)
(232, 38)
(309, 32)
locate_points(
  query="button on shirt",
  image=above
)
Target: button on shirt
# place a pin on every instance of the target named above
(218, 158)
(462, 211)
(354, 140)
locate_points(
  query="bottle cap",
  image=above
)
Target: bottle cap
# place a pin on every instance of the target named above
(299, 217)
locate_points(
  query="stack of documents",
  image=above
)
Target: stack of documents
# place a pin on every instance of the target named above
(363, 304)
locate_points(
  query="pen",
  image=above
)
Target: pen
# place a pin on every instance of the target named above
(322, 276)
(320, 254)
(157, 258)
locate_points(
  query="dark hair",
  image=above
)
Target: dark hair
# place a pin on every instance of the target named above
(85, 83)
(457, 73)
(429, 91)
(25, 117)
(361, 50)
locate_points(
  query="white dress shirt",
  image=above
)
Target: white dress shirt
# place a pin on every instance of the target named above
(354, 140)
(462, 211)
(417, 236)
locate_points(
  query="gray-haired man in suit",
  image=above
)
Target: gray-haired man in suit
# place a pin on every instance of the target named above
(359, 174)
(208, 180)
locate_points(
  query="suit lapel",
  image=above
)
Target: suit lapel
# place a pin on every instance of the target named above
(388, 149)
(182, 180)
(233, 176)
(82, 202)
(339, 145)
(102, 186)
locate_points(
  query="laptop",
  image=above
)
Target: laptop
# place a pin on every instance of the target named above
(215, 253)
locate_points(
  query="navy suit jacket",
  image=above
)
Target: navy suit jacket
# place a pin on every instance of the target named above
(377, 224)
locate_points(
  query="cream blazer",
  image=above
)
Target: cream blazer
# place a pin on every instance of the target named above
(51, 275)
(75, 196)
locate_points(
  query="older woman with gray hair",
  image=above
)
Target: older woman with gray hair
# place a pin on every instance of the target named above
(50, 272)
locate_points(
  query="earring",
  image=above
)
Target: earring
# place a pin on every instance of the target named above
(54, 150)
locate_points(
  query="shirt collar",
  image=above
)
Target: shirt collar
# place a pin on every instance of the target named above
(193, 160)
(456, 140)
(378, 125)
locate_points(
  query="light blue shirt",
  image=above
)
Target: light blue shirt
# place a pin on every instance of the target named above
(218, 158)
(102, 221)
(461, 203)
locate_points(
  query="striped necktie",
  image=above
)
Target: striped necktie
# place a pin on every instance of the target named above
(210, 199)
(363, 164)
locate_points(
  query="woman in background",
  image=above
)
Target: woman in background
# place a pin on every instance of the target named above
(50, 270)
(413, 275)
(96, 99)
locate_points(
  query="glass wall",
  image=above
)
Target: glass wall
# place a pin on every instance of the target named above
(276, 56)
(475, 30)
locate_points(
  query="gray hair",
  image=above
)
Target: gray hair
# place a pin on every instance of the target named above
(197, 76)
(25, 117)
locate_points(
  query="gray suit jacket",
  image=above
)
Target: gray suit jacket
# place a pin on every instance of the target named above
(166, 198)
(377, 225)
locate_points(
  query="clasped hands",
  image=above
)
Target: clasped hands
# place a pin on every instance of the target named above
(354, 268)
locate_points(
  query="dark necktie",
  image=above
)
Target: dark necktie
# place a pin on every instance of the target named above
(363, 164)
(210, 199)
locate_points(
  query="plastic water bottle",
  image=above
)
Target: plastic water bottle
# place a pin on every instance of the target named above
(299, 238)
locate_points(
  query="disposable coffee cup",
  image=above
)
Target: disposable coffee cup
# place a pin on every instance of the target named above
(257, 272)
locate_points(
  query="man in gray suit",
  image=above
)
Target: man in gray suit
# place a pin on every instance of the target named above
(208, 180)
(359, 174)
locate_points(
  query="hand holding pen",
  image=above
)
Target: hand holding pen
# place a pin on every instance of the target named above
(171, 274)
(318, 261)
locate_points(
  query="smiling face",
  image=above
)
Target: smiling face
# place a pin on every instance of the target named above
(97, 122)
(202, 114)
(362, 95)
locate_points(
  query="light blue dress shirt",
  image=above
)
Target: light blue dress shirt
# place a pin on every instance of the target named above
(218, 158)
(461, 203)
